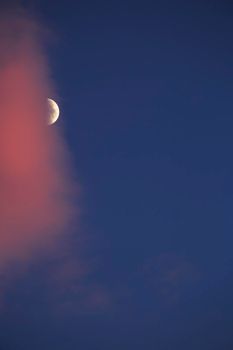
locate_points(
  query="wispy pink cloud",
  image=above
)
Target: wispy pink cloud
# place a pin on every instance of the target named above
(35, 173)
(73, 288)
(169, 276)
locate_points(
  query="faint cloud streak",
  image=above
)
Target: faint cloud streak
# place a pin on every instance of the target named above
(169, 276)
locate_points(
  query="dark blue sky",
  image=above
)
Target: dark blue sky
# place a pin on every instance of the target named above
(146, 97)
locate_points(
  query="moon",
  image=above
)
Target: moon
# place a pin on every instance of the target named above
(53, 111)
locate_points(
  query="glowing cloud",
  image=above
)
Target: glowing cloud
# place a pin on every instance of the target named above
(35, 186)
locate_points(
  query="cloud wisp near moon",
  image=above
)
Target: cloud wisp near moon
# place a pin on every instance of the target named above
(35, 185)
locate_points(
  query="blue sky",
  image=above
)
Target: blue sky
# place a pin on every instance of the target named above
(145, 93)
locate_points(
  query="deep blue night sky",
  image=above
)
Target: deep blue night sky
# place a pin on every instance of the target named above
(145, 90)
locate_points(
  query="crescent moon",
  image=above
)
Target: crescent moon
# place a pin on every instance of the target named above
(53, 111)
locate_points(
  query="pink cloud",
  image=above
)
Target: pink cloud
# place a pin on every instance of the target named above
(35, 183)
